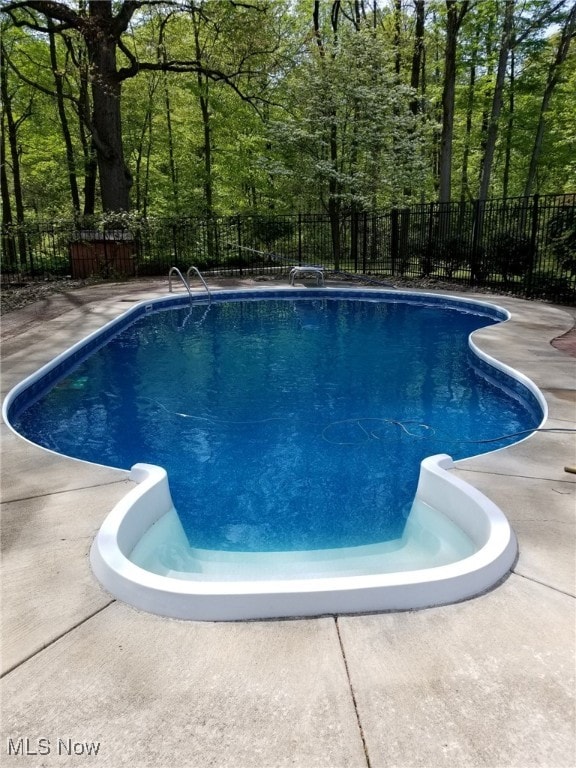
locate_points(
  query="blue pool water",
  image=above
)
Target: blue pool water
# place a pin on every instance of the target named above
(285, 424)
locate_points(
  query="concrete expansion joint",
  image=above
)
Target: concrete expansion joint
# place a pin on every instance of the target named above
(61, 491)
(563, 492)
(352, 694)
(519, 476)
(55, 640)
(543, 584)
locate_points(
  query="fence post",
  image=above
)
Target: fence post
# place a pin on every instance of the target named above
(394, 239)
(299, 239)
(476, 225)
(364, 241)
(375, 245)
(533, 244)
(427, 266)
(175, 250)
(9, 247)
(354, 237)
(239, 237)
(431, 222)
(29, 246)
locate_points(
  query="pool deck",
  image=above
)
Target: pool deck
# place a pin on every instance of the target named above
(88, 680)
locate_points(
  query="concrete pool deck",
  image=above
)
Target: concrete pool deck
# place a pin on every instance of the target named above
(90, 680)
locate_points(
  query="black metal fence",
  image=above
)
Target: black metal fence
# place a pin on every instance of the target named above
(523, 246)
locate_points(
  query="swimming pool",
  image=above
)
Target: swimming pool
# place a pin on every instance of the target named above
(350, 453)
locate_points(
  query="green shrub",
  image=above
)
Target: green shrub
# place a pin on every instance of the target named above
(550, 286)
(510, 255)
(447, 255)
(562, 238)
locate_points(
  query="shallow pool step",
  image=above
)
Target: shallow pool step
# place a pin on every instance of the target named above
(429, 540)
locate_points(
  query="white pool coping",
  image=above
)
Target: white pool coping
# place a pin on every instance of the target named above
(479, 518)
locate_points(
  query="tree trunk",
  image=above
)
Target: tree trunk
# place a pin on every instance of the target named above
(465, 184)
(206, 148)
(8, 244)
(455, 15)
(146, 192)
(208, 182)
(12, 132)
(417, 55)
(492, 134)
(509, 128)
(170, 133)
(436, 108)
(77, 52)
(397, 37)
(90, 178)
(141, 184)
(416, 69)
(568, 32)
(115, 177)
(170, 137)
(88, 147)
(334, 204)
(70, 162)
(489, 73)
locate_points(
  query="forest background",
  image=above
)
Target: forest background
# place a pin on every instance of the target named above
(219, 107)
(419, 139)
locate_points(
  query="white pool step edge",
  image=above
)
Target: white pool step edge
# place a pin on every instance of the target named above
(474, 513)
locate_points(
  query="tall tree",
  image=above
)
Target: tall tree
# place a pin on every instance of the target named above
(57, 71)
(144, 145)
(67, 89)
(334, 201)
(509, 125)
(103, 24)
(162, 56)
(470, 101)
(369, 103)
(554, 73)
(510, 38)
(10, 127)
(455, 12)
(7, 120)
(416, 80)
(102, 32)
(505, 45)
(204, 102)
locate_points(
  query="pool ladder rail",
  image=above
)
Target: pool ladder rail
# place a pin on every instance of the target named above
(186, 280)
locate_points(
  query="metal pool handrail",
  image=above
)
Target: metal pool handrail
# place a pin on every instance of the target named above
(195, 269)
(181, 276)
